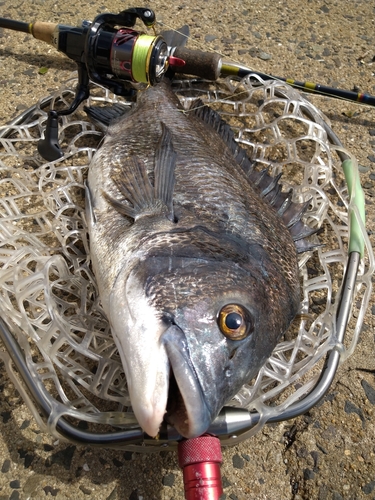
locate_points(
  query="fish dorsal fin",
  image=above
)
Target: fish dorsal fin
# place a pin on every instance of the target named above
(289, 211)
(269, 186)
(140, 196)
(214, 120)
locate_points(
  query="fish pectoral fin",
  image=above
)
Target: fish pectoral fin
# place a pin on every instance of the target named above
(134, 185)
(140, 197)
(165, 163)
(102, 116)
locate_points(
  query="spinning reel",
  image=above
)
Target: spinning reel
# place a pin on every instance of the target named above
(106, 55)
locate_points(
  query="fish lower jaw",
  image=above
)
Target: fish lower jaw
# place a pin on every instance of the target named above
(188, 423)
(186, 411)
(168, 390)
(176, 413)
(188, 426)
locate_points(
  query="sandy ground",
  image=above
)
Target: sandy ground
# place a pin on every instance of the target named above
(327, 454)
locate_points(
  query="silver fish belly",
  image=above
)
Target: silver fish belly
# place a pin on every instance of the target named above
(197, 273)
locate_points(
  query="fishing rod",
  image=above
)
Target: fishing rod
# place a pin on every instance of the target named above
(110, 52)
(68, 39)
(315, 88)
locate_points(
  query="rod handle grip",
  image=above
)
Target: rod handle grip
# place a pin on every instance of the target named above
(45, 31)
(198, 63)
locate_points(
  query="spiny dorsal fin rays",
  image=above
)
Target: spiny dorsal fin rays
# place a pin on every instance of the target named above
(294, 213)
(140, 197)
(269, 187)
(214, 120)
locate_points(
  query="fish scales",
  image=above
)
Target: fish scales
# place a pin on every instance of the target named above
(200, 281)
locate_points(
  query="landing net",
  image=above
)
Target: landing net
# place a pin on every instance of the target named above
(48, 294)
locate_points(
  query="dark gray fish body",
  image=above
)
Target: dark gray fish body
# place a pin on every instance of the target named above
(197, 273)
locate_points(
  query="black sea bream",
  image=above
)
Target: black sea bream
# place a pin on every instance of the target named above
(197, 272)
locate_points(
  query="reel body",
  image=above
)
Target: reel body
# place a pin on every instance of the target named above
(108, 52)
(115, 56)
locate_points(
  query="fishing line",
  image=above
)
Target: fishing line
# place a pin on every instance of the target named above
(141, 53)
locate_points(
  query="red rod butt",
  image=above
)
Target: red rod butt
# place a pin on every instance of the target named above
(200, 460)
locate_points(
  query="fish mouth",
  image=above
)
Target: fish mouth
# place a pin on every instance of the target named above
(176, 412)
(187, 409)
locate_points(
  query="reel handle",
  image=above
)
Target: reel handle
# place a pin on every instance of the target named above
(49, 147)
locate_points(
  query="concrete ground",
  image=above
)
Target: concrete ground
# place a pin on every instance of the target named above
(328, 453)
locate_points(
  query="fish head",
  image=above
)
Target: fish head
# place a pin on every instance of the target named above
(192, 331)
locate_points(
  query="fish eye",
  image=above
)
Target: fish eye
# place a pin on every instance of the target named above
(235, 322)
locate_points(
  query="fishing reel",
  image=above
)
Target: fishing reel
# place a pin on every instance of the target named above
(110, 52)
(126, 54)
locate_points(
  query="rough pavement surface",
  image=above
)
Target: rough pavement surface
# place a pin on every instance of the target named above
(328, 453)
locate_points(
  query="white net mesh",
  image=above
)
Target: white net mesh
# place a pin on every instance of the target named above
(49, 297)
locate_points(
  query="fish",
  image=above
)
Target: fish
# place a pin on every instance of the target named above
(195, 254)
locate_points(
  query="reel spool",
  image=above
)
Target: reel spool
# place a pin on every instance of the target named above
(125, 54)
(138, 57)
(52, 324)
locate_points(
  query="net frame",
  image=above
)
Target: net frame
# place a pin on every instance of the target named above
(49, 298)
